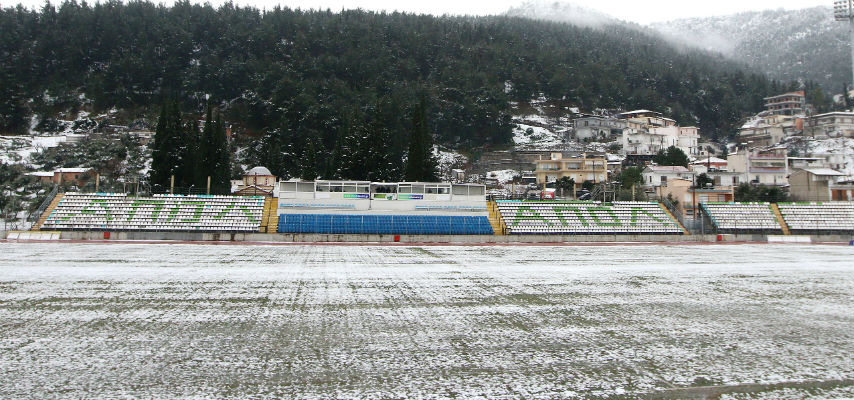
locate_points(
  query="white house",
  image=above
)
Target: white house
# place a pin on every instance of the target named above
(657, 175)
(596, 127)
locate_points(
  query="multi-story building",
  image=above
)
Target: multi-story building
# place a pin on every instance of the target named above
(708, 164)
(766, 167)
(647, 132)
(761, 136)
(580, 167)
(792, 103)
(596, 127)
(643, 142)
(688, 139)
(835, 161)
(796, 163)
(834, 124)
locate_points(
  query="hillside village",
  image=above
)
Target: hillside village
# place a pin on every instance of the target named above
(807, 156)
(687, 130)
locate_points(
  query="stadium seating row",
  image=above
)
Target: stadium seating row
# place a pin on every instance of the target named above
(384, 224)
(586, 218)
(119, 212)
(818, 217)
(742, 217)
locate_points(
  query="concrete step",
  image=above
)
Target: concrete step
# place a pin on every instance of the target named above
(780, 220)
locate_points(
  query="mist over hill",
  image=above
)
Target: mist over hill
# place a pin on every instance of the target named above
(802, 45)
(556, 11)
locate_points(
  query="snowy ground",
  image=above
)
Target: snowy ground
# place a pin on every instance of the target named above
(17, 149)
(525, 136)
(342, 322)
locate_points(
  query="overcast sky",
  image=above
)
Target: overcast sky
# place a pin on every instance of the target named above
(642, 12)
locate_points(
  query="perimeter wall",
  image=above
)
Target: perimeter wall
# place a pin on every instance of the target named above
(453, 239)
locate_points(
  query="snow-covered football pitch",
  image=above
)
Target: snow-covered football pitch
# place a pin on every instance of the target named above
(750, 321)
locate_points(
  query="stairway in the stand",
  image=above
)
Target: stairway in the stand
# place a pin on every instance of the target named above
(47, 211)
(495, 219)
(780, 220)
(673, 217)
(270, 216)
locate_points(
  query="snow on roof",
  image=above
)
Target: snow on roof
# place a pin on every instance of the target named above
(823, 172)
(259, 171)
(667, 168)
(798, 93)
(640, 112)
(841, 113)
(710, 160)
(41, 173)
(72, 170)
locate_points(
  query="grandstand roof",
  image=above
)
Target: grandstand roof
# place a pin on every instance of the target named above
(259, 171)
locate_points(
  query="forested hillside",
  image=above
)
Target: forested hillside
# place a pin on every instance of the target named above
(309, 74)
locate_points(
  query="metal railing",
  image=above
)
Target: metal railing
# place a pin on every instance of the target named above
(34, 216)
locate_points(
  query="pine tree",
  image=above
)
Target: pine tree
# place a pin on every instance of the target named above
(673, 156)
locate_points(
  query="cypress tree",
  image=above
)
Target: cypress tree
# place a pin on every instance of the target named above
(420, 163)
(194, 167)
(350, 161)
(221, 158)
(308, 169)
(272, 153)
(376, 151)
(205, 161)
(169, 147)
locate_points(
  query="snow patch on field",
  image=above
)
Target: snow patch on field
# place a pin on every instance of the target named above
(320, 322)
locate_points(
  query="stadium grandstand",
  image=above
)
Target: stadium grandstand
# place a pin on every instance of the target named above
(120, 212)
(587, 218)
(420, 208)
(397, 208)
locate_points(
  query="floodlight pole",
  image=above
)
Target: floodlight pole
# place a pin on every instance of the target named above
(843, 10)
